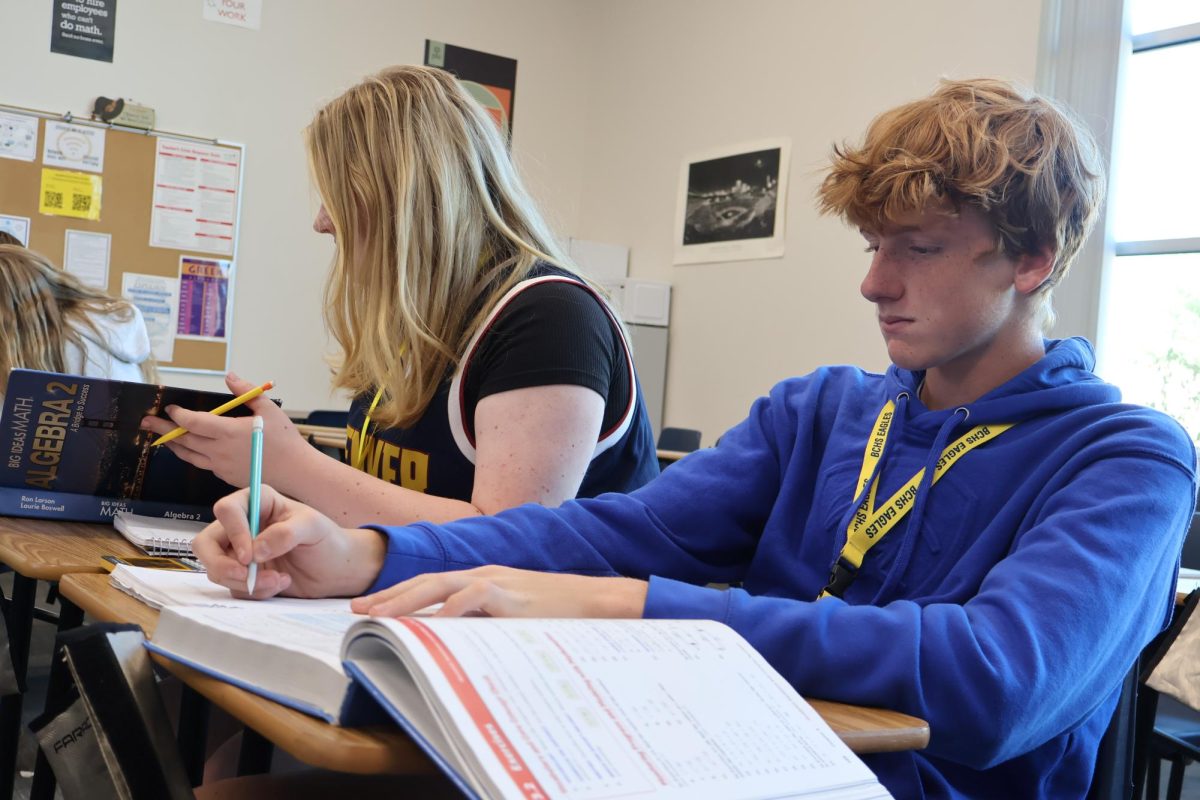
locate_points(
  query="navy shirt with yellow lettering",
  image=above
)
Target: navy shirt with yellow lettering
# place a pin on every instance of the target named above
(550, 329)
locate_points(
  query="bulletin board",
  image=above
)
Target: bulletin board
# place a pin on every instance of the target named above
(148, 215)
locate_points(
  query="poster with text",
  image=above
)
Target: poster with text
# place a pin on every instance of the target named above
(70, 194)
(195, 196)
(203, 298)
(490, 79)
(17, 226)
(86, 256)
(242, 13)
(73, 146)
(84, 28)
(18, 136)
(731, 203)
(157, 297)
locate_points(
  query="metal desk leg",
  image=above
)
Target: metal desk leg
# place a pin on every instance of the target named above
(20, 624)
(69, 616)
(193, 732)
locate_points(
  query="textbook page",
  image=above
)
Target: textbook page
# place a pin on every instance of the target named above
(617, 708)
(165, 587)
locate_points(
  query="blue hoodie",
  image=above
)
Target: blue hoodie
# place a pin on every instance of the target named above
(1005, 609)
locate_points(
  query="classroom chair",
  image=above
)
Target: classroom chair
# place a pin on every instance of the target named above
(1113, 778)
(327, 418)
(1176, 735)
(682, 440)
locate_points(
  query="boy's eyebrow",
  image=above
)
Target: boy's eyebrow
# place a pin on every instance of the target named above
(892, 231)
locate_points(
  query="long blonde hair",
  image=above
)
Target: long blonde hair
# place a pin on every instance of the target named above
(432, 225)
(43, 308)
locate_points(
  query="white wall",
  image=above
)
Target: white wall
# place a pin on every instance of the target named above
(611, 95)
(262, 87)
(680, 76)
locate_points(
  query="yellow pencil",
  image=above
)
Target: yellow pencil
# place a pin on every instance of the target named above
(221, 409)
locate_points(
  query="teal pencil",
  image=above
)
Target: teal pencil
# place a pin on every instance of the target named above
(256, 448)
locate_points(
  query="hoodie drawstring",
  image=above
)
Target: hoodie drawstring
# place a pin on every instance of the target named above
(904, 554)
(868, 521)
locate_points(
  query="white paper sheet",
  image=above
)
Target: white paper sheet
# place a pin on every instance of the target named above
(195, 196)
(79, 147)
(86, 256)
(18, 136)
(158, 298)
(17, 226)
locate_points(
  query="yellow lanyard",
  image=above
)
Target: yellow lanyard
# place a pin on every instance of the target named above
(360, 453)
(871, 523)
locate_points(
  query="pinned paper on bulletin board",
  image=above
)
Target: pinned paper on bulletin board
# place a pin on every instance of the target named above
(203, 298)
(70, 194)
(195, 197)
(17, 226)
(73, 146)
(157, 297)
(18, 136)
(86, 256)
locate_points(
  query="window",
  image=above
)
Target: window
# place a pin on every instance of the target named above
(1151, 322)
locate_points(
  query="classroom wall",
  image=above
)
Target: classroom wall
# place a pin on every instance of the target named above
(260, 88)
(680, 76)
(611, 95)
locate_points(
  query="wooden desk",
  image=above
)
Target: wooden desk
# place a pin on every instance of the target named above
(360, 750)
(671, 455)
(377, 750)
(322, 436)
(42, 549)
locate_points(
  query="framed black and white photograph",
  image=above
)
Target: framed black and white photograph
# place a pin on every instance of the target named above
(732, 203)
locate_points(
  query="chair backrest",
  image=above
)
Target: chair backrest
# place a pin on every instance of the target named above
(1190, 557)
(327, 418)
(1113, 777)
(685, 440)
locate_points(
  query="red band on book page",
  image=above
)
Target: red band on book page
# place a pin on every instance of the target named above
(480, 715)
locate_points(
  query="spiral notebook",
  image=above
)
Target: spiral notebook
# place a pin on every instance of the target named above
(158, 536)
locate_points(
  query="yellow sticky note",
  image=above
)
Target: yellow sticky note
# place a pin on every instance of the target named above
(70, 194)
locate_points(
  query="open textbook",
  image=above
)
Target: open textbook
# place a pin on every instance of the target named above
(534, 708)
(74, 449)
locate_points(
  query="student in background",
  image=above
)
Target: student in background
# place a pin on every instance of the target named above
(1004, 604)
(485, 373)
(49, 320)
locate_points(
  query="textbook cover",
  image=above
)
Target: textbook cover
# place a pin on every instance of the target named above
(73, 450)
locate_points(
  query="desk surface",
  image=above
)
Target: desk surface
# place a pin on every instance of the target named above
(386, 749)
(47, 549)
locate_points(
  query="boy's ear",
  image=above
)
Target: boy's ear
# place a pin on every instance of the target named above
(1033, 269)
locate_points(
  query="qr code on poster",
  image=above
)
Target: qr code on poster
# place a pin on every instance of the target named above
(81, 202)
(53, 200)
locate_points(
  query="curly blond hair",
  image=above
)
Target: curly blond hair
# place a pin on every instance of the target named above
(1024, 161)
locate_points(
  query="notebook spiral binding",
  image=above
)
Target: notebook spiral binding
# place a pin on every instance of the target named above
(169, 546)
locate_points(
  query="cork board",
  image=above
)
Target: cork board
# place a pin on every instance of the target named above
(127, 201)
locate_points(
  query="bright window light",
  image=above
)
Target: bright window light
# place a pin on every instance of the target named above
(1157, 166)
